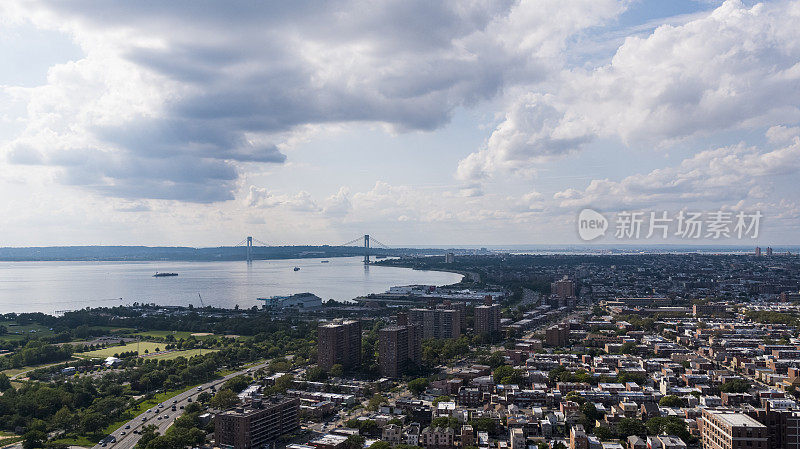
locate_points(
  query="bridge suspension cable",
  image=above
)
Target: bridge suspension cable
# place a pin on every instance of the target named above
(372, 240)
(359, 241)
(353, 242)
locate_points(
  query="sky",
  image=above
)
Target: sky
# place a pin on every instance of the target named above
(480, 122)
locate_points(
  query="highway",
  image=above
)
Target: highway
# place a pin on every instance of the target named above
(163, 417)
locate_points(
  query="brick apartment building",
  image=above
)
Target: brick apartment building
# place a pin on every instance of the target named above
(437, 323)
(398, 348)
(557, 335)
(722, 429)
(257, 423)
(339, 343)
(487, 319)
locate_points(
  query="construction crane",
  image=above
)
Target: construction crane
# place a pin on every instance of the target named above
(201, 301)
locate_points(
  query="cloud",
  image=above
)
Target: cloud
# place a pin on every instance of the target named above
(782, 134)
(734, 68)
(338, 204)
(534, 130)
(261, 198)
(728, 174)
(212, 87)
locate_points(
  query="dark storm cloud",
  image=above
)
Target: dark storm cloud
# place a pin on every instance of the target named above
(238, 69)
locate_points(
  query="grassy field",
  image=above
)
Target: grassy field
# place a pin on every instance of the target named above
(187, 353)
(111, 350)
(76, 441)
(15, 371)
(114, 329)
(20, 332)
(176, 334)
(142, 346)
(17, 332)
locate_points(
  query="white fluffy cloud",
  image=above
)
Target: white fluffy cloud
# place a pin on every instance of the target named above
(737, 67)
(259, 197)
(723, 175)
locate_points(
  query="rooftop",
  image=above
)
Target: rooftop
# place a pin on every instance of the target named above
(735, 419)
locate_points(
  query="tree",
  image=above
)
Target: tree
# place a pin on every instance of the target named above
(671, 425)
(417, 386)
(502, 371)
(283, 383)
(484, 424)
(92, 422)
(354, 442)
(627, 348)
(442, 398)
(604, 433)
(224, 399)
(33, 439)
(446, 421)
(496, 359)
(380, 445)
(337, 370)
(629, 426)
(735, 386)
(5, 382)
(639, 378)
(590, 415)
(64, 419)
(316, 374)
(149, 432)
(279, 365)
(375, 401)
(672, 401)
(237, 383)
(204, 397)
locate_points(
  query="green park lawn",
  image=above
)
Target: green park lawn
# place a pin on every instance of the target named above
(175, 334)
(11, 372)
(188, 353)
(16, 332)
(111, 350)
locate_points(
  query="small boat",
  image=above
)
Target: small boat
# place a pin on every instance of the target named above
(324, 261)
(162, 275)
(296, 268)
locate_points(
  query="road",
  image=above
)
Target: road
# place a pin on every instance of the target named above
(129, 439)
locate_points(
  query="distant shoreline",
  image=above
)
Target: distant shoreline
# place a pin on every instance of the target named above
(239, 253)
(188, 254)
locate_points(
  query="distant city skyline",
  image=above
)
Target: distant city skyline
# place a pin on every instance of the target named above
(421, 123)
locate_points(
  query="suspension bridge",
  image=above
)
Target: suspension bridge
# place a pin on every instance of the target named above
(367, 245)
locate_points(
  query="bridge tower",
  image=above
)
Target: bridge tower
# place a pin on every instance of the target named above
(249, 249)
(366, 249)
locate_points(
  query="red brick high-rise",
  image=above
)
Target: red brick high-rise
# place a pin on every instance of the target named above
(339, 343)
